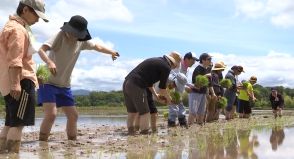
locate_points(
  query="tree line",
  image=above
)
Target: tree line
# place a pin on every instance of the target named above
(116, 99)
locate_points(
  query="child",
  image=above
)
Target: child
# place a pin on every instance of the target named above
(17, 77)
(246, 93)
(64, 50)
(178, 82)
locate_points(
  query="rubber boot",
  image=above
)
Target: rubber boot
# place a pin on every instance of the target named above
(183, 122)
(2, 145)
(171, 123)
(13, 146)
(43, 137)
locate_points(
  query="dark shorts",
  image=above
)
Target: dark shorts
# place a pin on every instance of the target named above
(275, 107)
(21, 112)
(52, 94)
(151, 103)
(135, 97)
(244, 107)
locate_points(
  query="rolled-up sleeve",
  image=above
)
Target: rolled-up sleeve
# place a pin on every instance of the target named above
(88, 45)
(15, 48)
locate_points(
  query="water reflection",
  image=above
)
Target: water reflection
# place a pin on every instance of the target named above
(200, 143)
(277, 137)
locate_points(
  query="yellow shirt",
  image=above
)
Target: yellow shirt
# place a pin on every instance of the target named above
(244, 93)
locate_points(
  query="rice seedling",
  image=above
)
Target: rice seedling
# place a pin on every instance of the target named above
(43, 73)
(201, 81)
(226, 83)
(222, 102)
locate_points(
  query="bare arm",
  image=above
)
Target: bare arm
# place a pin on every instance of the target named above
(105, 50)
(46, 59)
(164, 93)
(14, 76)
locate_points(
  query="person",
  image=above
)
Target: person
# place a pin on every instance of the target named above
(277, 102)
(188, 61)
(64, 50)
(176, 108)
(197, 98)
(245, 95)
(216, 75)
(145, 75)
(230, 93)
(17, 78)
(153, 113)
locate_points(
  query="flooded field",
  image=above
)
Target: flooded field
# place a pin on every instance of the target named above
(105, 137)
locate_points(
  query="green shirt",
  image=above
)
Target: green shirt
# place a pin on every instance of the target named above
(244, 93)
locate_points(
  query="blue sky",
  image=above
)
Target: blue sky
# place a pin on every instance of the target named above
(257, 34)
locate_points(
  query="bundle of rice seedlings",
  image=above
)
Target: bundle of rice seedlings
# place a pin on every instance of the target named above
(175, 96)
(43, 73)
(226, 83)
(222, 102)
(201, 81)
(165, 114)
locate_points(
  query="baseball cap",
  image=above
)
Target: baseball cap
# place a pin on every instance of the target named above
(38, 6)
(191, 55)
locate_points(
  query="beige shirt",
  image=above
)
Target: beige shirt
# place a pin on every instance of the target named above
(64, 53)
(14, 44)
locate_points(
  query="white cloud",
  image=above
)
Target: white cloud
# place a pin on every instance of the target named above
(60, 11)
(280, 13)
(101, 73)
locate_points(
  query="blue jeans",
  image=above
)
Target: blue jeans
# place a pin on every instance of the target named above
(231, 97)
(176, 111)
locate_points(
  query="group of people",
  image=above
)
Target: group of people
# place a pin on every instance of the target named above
(18, 79)
(155, 78)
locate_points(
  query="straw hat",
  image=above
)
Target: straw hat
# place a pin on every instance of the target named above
(219, 66)
(253, 79)
(174, 57)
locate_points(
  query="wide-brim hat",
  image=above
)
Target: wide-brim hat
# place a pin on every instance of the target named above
(78, 27)
(174, 57)
(219, 66)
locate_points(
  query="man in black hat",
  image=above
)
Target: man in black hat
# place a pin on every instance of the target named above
(64, 50)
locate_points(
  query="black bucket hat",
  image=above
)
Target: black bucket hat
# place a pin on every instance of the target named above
(77, 25)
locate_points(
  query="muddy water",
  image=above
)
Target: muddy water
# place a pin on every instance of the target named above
(84, 120)
(106, 138)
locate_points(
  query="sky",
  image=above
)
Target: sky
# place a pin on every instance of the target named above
(257, 34)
